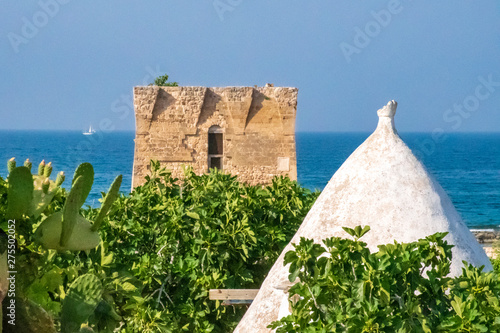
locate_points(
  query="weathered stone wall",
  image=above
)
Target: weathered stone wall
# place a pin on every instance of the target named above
(258, 126)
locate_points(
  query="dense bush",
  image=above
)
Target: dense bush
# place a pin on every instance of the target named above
(180, 239)
(163, 247)
(343, 287)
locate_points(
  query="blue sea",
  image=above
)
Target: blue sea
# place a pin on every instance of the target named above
(466, 165)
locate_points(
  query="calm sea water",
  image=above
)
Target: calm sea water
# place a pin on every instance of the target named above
(466, 165)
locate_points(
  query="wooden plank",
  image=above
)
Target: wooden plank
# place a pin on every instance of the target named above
(237, 302)
(232, 294)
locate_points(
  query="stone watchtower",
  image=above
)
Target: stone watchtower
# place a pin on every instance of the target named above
(248, 132)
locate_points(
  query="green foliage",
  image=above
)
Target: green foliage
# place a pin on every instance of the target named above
(41, 168)
(43, 193)
(69, 214)
(86, 172)
(83, 296)
(152, 256)
(29, 195)
(162, 81)
(180, 238)
(47, 171)
(60, 178)
(110, 198)
(343, 287)
(48, 278)
(20, 192)
(30, 318)
(68, 230)
(28, 164)
(495, 261)
(11, 164)
(79, 238)
(162, 247)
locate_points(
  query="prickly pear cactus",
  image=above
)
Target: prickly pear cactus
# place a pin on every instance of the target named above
(60, 178)
(41, 168)
(86, 171)
(29, 195)
(47, 171)
(71, 210)
(30, 200)
(112, 195)
(82, 298)
(44, 192)
(11, 164)
(28, 164)
(68, 230)
(19, 193)
(82, 237)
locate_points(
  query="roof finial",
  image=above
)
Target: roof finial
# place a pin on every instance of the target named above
(389, 110)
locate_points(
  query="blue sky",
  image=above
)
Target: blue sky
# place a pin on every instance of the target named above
(67, 63)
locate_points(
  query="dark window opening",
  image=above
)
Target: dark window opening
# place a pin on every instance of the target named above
(215, 148)
(215, 163)
(215, 145)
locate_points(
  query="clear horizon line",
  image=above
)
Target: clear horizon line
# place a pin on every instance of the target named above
(297, 132)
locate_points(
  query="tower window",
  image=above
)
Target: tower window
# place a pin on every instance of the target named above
(215, 147)
(216, 163)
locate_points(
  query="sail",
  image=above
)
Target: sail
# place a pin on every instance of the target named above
(90, 131)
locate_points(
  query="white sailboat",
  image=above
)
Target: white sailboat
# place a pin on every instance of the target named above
(90, 131)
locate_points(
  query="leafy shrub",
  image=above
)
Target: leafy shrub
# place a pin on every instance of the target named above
(496, 256)
(180, 238)
(163, 247)
(343, 287)
(162, 81)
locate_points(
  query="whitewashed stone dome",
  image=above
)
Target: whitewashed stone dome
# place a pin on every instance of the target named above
(382, 184)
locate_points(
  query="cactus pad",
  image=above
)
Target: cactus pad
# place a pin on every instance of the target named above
(47, 171)
(86, 171)
(82, 237)
(71, 209)
(60, 178)
(28, 164)
(41, 168)
(111, 196)
(20, 192)
(40, 199)
(45, 186)
(83, 296)
(11, 164)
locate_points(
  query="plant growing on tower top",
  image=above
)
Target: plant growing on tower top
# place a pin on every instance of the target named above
(162, 81)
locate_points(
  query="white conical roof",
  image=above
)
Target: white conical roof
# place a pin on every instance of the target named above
(382, 184)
